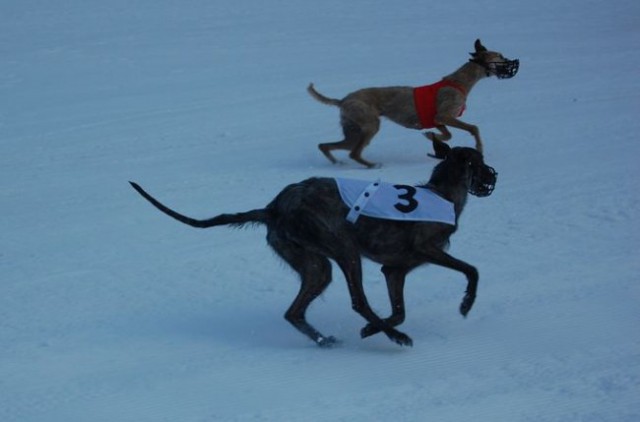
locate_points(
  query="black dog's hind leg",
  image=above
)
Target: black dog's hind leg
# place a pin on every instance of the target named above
(315, 276)
(395, 278)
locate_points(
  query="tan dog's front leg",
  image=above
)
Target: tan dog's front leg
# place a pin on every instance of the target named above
(459, 124)
(443, 136)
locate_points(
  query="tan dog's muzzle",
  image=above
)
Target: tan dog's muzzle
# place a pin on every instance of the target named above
(504, 70)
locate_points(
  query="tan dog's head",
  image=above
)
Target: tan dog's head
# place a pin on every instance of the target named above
(494, 63)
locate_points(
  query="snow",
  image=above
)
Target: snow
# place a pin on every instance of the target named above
(111, 311)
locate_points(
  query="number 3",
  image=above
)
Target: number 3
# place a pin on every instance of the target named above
(408, 196)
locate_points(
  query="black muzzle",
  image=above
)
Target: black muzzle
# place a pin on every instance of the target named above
(483, 181)
(506, 69)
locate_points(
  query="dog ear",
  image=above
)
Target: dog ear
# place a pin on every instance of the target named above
(479, 47)
(441, 149)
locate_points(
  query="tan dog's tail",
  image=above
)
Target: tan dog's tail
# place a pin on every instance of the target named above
(325, 100)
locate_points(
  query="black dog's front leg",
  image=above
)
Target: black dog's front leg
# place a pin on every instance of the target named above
(395, 278)
(440, 257)
(353, 273)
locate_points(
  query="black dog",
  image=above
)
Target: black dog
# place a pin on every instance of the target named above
(306, 226)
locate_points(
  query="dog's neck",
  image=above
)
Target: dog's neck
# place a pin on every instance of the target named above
(441, 182)
(467, 75)
(457, 195)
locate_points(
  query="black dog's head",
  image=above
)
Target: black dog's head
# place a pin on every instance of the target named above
(469, 165)
(483, 180)
(494, 63)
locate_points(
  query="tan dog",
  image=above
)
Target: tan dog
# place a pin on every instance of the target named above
(433, 106)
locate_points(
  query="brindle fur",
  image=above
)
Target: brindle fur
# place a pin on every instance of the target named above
(361, 110)
(306, 226)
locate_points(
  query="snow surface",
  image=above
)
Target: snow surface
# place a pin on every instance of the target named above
(111, 311)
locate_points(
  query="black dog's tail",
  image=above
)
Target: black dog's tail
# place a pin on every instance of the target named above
(239, 219)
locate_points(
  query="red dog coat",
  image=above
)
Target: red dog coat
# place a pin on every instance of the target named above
(425, 98)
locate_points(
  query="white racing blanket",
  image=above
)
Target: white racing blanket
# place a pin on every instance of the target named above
(394, 202)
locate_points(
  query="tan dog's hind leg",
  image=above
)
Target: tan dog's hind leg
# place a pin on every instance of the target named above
(356, 155)
(357, 135)
(364, 138)
(326, 150)
(352, 135)
(349, 145)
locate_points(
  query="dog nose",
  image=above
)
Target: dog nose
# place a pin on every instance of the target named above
(484, 183)
(507, 69)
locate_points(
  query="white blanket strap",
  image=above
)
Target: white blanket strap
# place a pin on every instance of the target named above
(362, 200)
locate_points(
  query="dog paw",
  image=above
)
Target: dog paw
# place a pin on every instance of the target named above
(467, 304)
(327, 342)
(394, 335)
(402, 339)
(368, 330)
